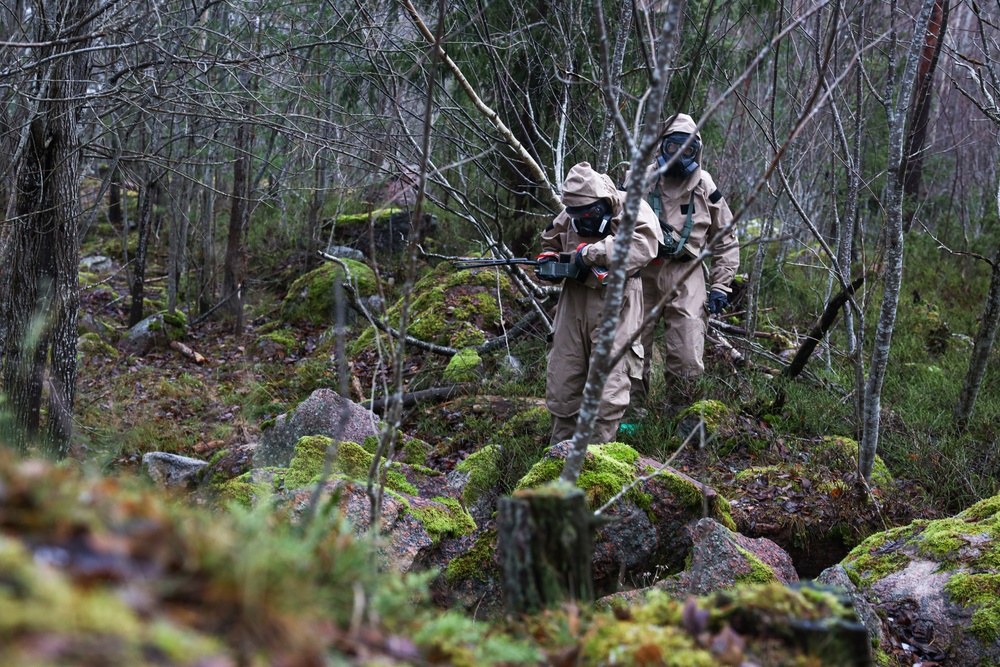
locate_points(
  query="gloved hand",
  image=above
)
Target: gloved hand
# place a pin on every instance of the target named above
(717, 301)
(580, 264)
(545, 258)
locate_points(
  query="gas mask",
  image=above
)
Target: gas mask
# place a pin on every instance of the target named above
(591, 219)
(686, 164)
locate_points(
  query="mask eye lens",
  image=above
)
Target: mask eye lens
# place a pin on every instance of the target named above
(672, 148)
(595, 211)
(689, 151)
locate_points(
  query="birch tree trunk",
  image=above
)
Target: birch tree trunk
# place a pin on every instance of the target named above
(983, 344)
(600, 359)
(896, 111)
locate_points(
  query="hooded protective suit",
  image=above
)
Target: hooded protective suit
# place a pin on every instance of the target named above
(685, 316)
(581, 302)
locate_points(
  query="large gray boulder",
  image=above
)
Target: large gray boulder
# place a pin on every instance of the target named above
(325, 413)
(154, 332)
(721, 559)
(934, 587)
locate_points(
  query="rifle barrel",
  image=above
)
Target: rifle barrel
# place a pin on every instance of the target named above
(476, 262)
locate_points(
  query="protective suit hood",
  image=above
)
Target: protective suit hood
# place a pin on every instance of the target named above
(584, 186)
(682, 123)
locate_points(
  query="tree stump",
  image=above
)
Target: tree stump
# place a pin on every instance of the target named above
(546, 545)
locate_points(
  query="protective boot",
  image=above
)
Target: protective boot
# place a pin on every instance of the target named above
(682, 393)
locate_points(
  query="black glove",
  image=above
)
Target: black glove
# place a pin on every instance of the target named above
(545, 258)
(717, 301)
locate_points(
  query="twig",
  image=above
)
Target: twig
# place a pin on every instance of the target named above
(433, 394)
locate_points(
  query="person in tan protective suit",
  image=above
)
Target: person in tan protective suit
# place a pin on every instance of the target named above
(693, 214)
(586, 232)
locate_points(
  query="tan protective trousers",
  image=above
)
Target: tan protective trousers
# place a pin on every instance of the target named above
(685, 322)
(575, 332)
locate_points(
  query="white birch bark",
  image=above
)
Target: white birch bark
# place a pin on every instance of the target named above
(897, 114)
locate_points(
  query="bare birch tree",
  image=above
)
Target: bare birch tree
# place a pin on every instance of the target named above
(897, 101)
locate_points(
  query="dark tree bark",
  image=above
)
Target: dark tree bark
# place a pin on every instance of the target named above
(115, 216)
(819, 331)
(144, 222)
(234, 272)
(38, 291)
(921, 108)
(546, 546)
(981, 349)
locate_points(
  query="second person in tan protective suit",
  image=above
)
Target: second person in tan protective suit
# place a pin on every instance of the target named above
(694, 215)
(586, 231)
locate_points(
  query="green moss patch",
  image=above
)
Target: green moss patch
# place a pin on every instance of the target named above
(444, 518)
(92, 345)
(311, 297)
(452, 308)
(607, 469)
(712, 412)
(483, 473)
(463, 367)
(881, 477)
(476, 563)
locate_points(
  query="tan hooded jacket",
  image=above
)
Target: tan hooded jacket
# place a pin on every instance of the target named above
(584, 186)
(710, 217)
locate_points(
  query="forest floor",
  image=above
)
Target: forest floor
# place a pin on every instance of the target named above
(165, 401)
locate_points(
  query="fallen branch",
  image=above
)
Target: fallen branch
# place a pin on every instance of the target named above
(819, 331)
(424, 395)
(725, 327)
(187, 352)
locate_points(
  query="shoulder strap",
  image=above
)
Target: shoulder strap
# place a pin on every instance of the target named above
(688, 226)
(654, 200)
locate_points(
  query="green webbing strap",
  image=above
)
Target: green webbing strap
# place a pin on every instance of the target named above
(688, 225)
(655, 203)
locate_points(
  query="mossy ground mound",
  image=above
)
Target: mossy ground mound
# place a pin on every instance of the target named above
(75, 545)
(311, 297)
(803, 494)
(459, 309)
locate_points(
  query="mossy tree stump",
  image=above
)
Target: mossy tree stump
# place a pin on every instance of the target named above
(546, 544)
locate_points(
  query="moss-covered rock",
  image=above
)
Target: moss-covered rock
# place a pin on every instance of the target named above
(476, 563)
(452, 308)
(156, 331)
(607, 470)
(711, 412)
(445, 517)
(276, 343)
(762, 624)
(92, 345)
(464, 366)
(311, 297)
(947, 571)
(653, 505)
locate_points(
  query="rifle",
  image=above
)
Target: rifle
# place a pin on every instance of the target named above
(563, 268)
